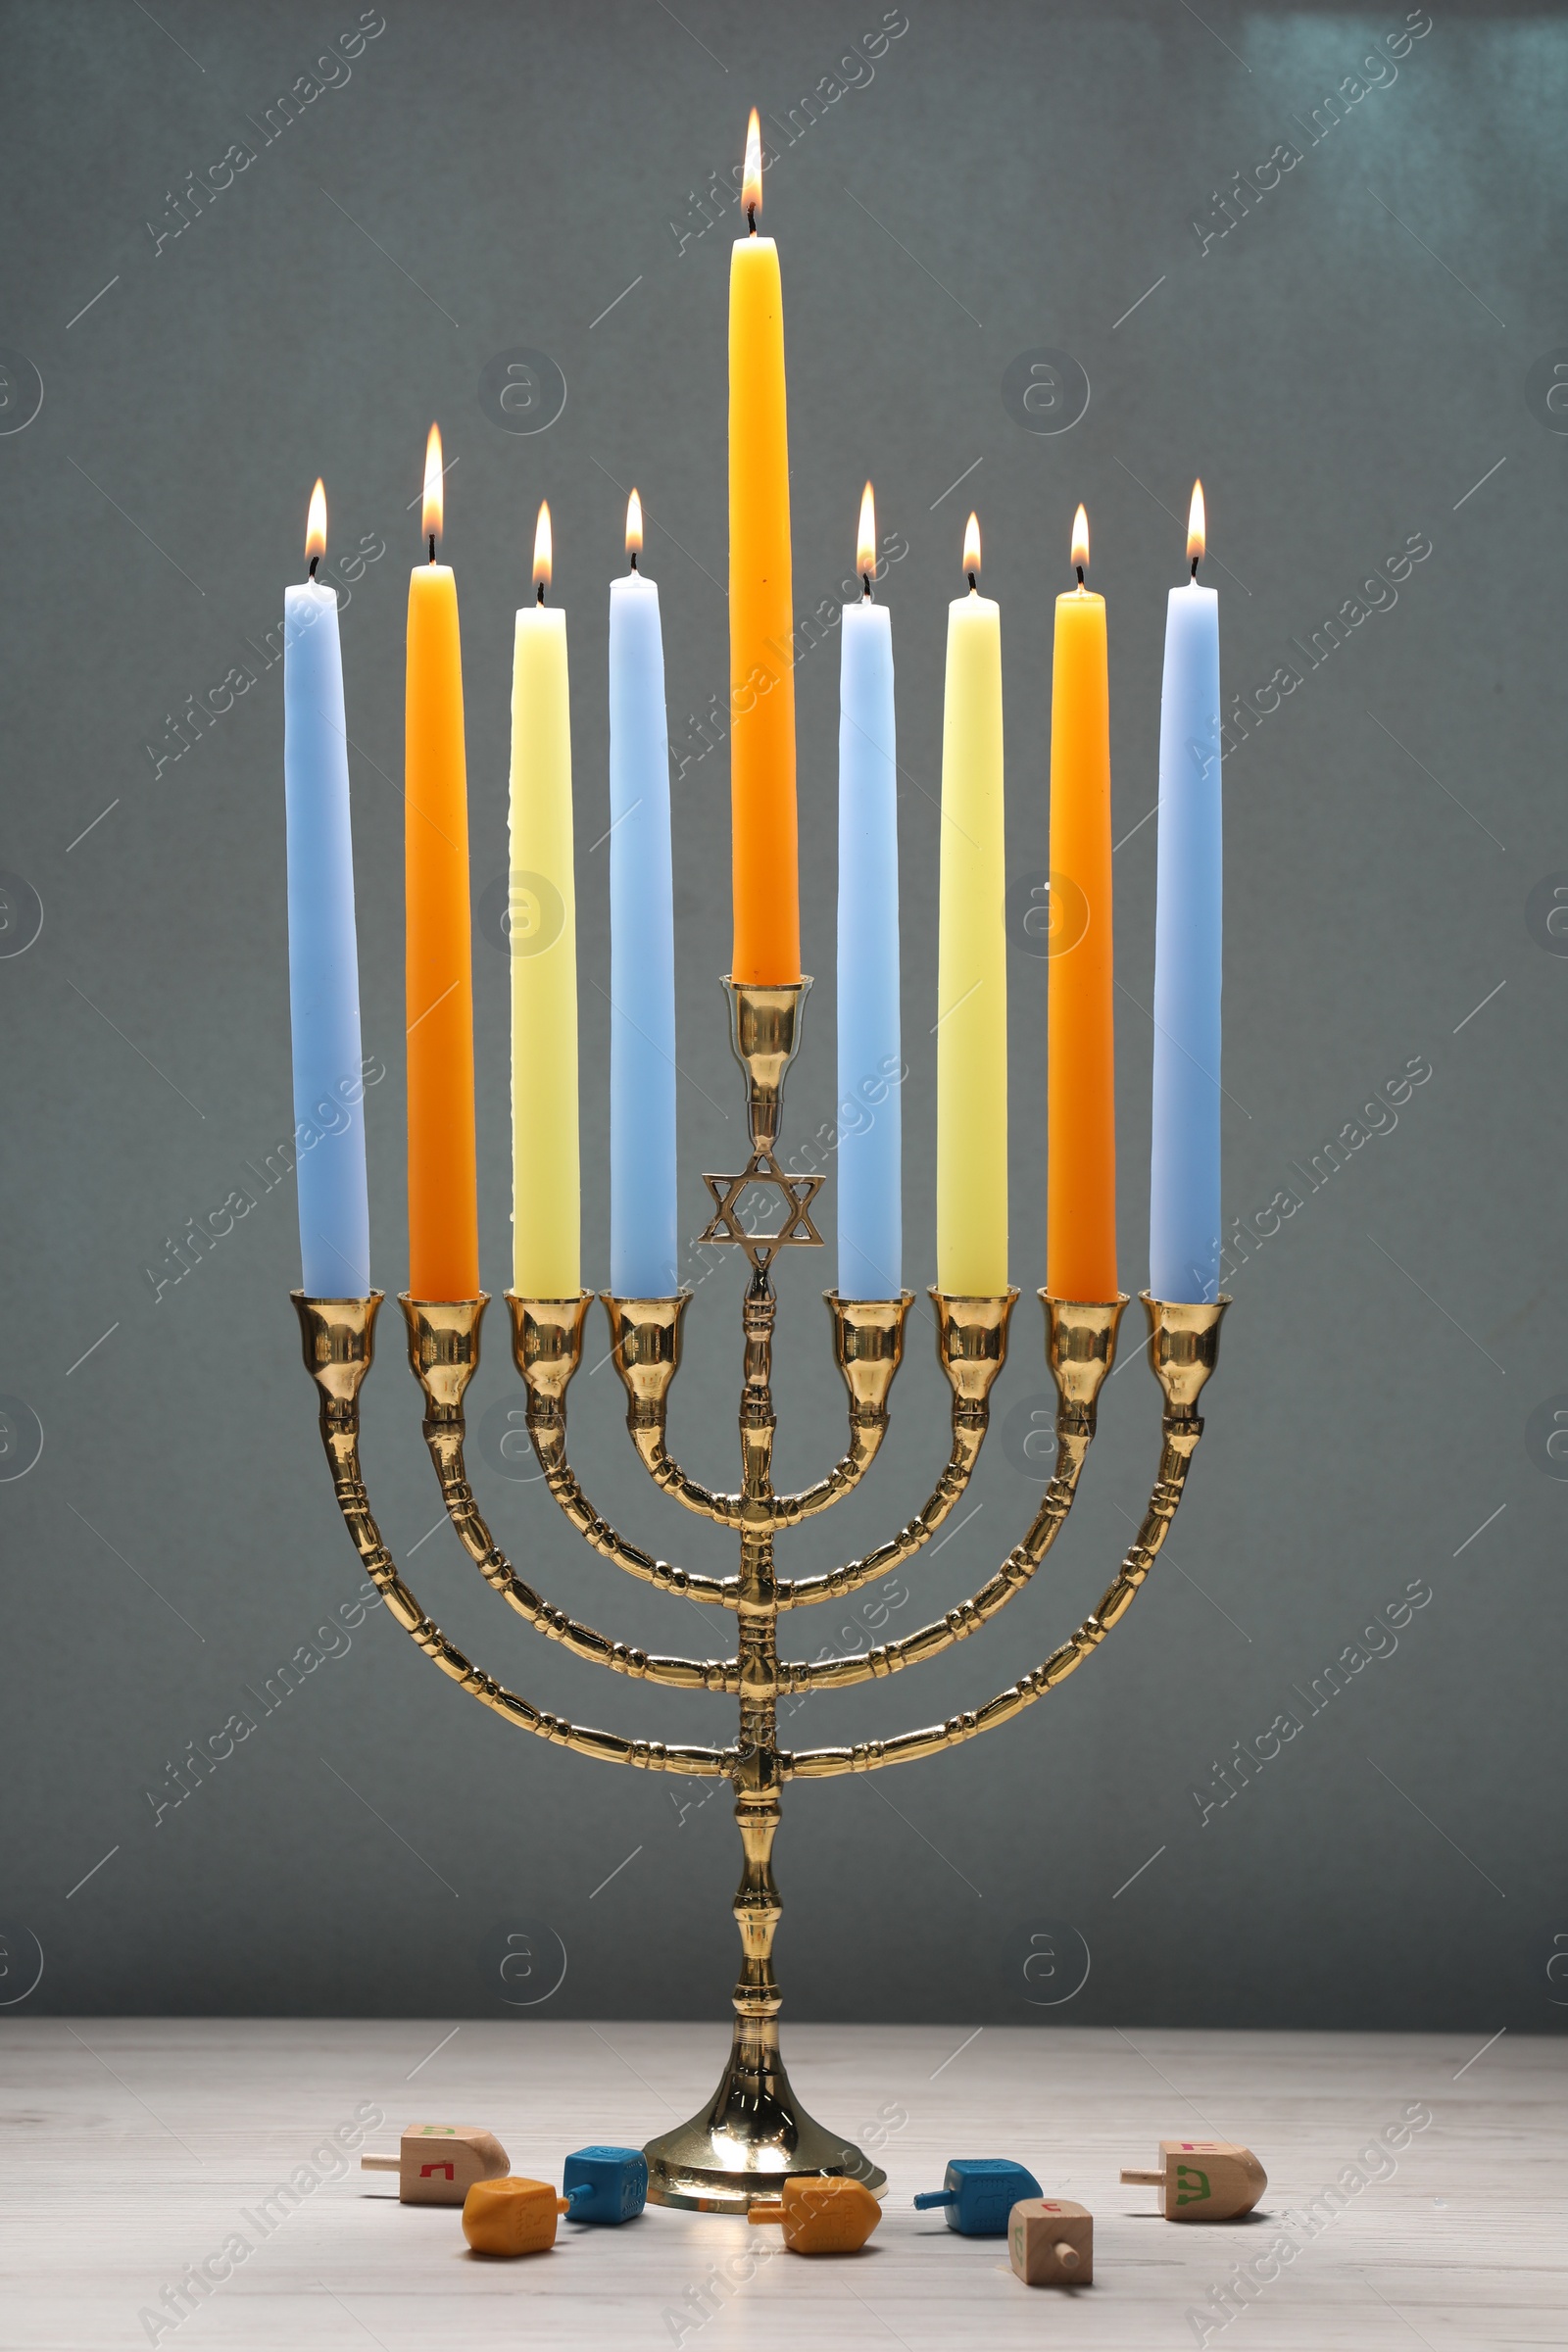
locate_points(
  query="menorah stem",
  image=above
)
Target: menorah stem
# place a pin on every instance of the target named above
(758, 1311)
(757, 1805)
(755, 2083)
(754, 2132)
(758, 1999)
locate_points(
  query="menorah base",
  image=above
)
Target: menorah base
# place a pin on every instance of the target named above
(741, 2145)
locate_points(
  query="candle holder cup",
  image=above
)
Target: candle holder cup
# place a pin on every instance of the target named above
(754, 2133)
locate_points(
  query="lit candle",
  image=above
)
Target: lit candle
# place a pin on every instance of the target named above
(546, 1229)
(870, 1054)
(762, 619)
(643, 1249)
(972, 954)
(1081, 1174)
(443, 1208)
(1184, 1213)
(323, 973)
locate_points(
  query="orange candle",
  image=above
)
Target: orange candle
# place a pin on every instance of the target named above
(761, 618)
(1081, 1202)
(443, 1211)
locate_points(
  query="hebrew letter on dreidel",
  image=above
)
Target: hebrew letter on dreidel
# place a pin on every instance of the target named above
(1227, 2183)
(468, 2153)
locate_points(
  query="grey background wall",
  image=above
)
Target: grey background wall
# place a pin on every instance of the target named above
(1362, 360)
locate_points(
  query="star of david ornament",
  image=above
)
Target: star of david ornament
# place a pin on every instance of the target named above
(797, 1191)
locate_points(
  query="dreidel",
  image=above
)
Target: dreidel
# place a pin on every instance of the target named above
(831, 2216)
(979, 2192)
(437, 2163)
(1051, 2242)
(512, 2215)
(1206, 2179)
(606, 2185)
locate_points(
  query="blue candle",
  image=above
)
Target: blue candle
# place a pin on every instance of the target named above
(871, 1056)
(1184, 1210)
(642, 1252)
(323, 972)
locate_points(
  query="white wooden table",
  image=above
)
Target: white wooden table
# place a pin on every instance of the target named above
(132, 2151)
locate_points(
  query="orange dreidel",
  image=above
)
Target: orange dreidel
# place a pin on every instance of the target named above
(513, 2215)
(830, 2215)
(1206, 2179)
(1052, 2242)
(437, 2163)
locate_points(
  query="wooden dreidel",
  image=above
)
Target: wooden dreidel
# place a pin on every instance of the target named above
(1051, 2241)
(608, 2185)
(437, 2163)
(512, 2215)
(979, 2192)
(1206, 2179)
(821, 2216)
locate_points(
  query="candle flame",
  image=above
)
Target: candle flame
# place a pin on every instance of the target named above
(1080, 541)
(434, 501)
(752, 185)
(972, 546)
(315, 522)
(1197, 526)
(543, 546)
(865, 544)
(634, 529)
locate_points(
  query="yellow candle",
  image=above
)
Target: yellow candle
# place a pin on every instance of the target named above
(1081, 1175)
(443, 1215)
(971, 964)
(761, 618)
(546, 1218)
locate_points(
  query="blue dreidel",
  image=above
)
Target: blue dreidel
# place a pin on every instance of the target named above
(980, 2193)
(605, 2184)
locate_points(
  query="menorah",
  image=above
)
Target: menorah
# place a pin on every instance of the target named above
(755, 2129)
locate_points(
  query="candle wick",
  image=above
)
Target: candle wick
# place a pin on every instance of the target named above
(432, 547)
(633, 554)
(751, 215)
(314, 560)
(974, 584)
(1194, 567)
(1079, 569)
(539, 592)
(865, 582)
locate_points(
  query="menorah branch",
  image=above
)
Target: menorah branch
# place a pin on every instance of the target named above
(971, 1349)
(646, 1335)
(1080, 1349)
(444, 1356)
(338, 1340)
(1183, 1348)
(546, 1349)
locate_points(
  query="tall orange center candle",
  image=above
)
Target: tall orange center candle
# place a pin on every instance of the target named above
(762, 619)
(1081, 1202)
(443, 1210)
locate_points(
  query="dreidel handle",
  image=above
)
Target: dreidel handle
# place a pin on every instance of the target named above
(1068, 2256)
(1146, 2179)
(766, 2209)
(929, 2197)
(380, 2163)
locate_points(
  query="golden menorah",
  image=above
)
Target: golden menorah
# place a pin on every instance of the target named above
(753, 2130)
